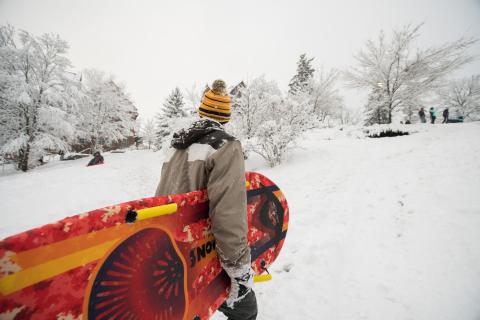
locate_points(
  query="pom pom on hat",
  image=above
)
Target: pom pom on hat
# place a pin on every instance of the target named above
(216, 103)
(219, 87)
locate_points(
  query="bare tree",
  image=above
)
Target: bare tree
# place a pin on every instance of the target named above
(402, 71)
(149, 133)
(325, 99)
(464, 97)
(193, 97)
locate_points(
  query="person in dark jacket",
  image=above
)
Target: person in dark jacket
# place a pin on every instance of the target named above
(445, 115)
(205, 156)
(421, 115)
(97, 159)
(433, 115)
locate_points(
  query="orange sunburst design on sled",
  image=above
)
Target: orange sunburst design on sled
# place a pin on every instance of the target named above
(143, 276)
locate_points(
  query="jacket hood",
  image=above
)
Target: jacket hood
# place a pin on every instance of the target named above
(186, 137)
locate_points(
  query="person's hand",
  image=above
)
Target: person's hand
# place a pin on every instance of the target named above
(241, 283)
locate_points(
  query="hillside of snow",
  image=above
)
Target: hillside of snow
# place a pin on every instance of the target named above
(379, 229)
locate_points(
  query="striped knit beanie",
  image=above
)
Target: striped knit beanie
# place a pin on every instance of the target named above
(216, 103)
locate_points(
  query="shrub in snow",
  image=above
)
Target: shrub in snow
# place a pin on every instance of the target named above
(388, 133)
(273, 139)
(381, 131)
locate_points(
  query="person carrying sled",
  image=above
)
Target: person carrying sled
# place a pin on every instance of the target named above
(205, 156)
(433, 115)
(445, 115)
(97, 159)
(421, 114)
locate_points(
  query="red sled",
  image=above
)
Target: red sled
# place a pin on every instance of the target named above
(164, 266)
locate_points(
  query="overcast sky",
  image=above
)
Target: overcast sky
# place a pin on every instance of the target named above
(153, 46)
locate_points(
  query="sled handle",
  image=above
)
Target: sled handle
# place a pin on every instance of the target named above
(133, 216)
(153, 212)
(262, 278)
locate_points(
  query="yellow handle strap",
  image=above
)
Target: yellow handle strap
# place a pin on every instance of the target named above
(262, 278)
(153, 212)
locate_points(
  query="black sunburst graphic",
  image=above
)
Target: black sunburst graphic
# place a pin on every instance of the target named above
(141, 279)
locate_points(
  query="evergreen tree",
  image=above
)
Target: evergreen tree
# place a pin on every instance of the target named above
(172, 108)
(376, 110)
(300, 81)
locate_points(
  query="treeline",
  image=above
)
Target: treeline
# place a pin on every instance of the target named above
(399, 77)
(45, 108)
(264, 118)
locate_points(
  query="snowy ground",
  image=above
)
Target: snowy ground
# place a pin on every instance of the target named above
(380, 228)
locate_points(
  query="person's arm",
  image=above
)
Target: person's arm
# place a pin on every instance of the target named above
(228, 213)
(228, 204)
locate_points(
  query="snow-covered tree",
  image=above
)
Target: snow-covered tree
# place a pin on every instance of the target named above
(325, 99)
(463, 97)
(193, 98)
(254, 103)
(376, 110)
(300, 81)
(107, 114)
(172, 109)
(35, 96)
(148, 133)
(403, 71)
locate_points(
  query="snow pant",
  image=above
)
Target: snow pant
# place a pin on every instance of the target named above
(423, 120)
(433, 119)
(245, 309)
(445, 120)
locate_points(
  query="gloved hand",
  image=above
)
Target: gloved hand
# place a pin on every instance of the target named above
(241, 283)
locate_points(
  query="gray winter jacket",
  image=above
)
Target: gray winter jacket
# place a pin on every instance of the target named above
(205, 156)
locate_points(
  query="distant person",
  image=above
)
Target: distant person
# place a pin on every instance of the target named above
(445, 115)
(433, 115)
(421, 114)
(97, 159)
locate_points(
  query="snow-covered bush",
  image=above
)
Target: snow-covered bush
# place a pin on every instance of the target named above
(388, 130)
(268, 123)
(273, 139)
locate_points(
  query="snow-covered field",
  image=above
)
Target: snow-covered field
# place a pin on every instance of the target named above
(380, 228)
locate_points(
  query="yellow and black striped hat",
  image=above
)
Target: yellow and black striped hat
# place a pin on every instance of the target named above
(215, 106)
